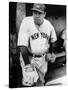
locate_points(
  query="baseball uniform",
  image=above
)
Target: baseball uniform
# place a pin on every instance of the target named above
(36, 38)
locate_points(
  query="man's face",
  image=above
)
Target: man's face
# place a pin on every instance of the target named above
(38, 17)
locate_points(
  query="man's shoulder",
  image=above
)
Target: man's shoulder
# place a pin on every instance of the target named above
(48, 23)
(29, 18)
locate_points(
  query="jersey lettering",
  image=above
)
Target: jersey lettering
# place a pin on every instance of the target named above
(35, 36)
(44, 35)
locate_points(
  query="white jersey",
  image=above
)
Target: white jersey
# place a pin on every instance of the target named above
(36, 38)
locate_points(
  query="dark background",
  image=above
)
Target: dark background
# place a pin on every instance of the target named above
(52, 10)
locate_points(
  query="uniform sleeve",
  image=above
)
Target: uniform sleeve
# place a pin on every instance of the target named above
(53, 35)
(23, 35)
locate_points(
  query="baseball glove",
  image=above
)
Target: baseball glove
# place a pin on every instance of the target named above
(30, 75)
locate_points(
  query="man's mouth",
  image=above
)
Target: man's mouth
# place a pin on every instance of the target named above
(37, 19)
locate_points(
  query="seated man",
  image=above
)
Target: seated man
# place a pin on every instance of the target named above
(63, 36)
(61, 42)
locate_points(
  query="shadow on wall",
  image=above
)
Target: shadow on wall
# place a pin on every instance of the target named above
(59, 23)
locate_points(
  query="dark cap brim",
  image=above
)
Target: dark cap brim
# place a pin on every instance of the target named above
(35, 9)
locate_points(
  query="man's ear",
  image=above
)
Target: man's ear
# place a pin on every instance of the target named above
(44, 14)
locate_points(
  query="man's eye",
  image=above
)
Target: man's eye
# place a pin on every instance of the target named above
(35, 12)
(39, 13)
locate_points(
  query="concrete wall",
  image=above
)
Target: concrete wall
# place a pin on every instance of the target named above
(20, 14)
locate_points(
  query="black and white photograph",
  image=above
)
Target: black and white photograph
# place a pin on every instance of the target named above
(37, 45)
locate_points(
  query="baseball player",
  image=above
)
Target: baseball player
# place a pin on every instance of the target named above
(33, 40)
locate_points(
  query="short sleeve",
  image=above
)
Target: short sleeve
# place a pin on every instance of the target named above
(23, 35)
(53, 34)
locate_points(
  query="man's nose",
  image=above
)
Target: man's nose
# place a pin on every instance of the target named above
(37, 14)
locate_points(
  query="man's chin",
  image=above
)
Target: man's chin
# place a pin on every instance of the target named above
(37, 22)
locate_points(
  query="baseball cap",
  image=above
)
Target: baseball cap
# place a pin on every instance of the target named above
(39, 7)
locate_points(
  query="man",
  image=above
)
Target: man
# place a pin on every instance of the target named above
(63, 37)
(33, 40)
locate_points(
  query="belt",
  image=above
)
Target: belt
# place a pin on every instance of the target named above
(35, 55)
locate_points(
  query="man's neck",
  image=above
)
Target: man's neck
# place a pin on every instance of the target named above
(39, 24)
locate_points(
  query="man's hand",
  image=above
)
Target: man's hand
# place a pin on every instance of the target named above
(48, 57)
(51, 57)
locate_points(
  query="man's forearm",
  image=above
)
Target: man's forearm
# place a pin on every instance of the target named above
(53, 47)
(25, 54)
